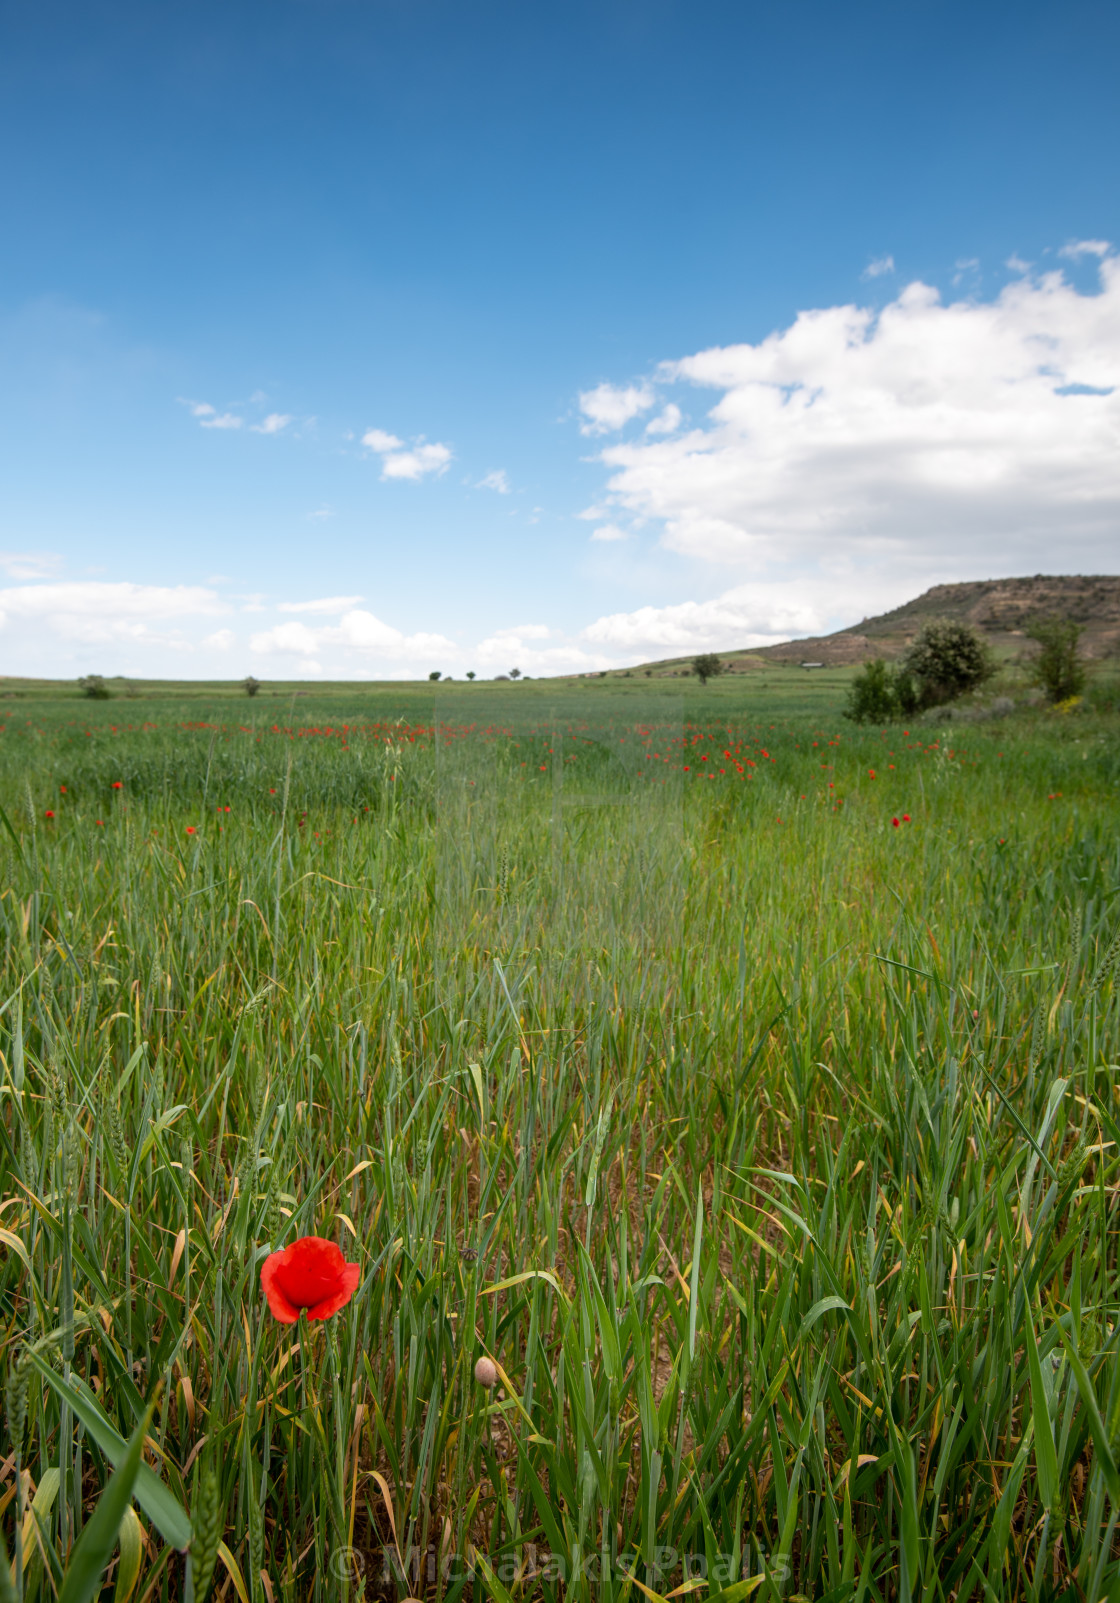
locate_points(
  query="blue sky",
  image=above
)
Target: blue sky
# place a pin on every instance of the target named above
(354, 338)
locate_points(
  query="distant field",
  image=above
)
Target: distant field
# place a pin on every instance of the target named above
(741, 1082)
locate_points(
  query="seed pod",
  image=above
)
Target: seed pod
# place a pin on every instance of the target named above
(256, 1543)
(114, 1133)
(486, 1372)
(16, 1402)
(273, 1218)
(1108, 962)
(207, 1526)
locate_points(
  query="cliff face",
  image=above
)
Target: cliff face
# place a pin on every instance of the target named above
(999, 608)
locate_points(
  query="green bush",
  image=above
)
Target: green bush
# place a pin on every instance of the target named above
(94, 686)
(948, 660)
(872, 695)
(1058, 670)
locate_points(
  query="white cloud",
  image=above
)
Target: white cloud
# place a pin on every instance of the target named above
(879, 266)
(416, 463)
(400, 462)
(1017, 264)
(358, 633)
(495, 481)
(955, 439)
(667, 421)
(196, 408)
(225, 420)
(40, 621)
(272, 424)
(1078, 248)
(607, 408)
(30, 564)
(295, 639)
(220, 640)
(749, 615)
(333, 604)
(592, 514)
(525, 631)
(610, 532)
(379, 441)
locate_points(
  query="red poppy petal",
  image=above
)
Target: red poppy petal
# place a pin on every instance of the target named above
(310, 1271)
(351, 1275)
(281, 1308)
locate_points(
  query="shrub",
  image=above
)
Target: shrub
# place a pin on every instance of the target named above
(95, 687)
(706, 666)
(251, 685)
(434, 675)
(872, 694)
(947, 659)
(1058, 670)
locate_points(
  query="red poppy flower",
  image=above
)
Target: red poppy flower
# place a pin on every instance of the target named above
(190, 829)
(117, 784)
(894, 821)
(48, 813)
(906, 818)
(311, 1274)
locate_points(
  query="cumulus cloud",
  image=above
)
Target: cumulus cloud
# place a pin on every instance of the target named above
(379, 440)
(272, 424)
(879, 266)
(754, 614)
(357, 634)
(326, 604)
(609, 532)
(220, 640)
(964, 438)
(418, 462)
(222, 420)
(399, 461)
(1085, 247)
(30, 564)
(667, 421)
(495, 481)
(43, 625)
(606, 408)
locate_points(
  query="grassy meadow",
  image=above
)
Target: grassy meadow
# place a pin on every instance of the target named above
(741, 1082)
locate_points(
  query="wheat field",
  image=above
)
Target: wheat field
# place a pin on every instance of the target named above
(740, 1084)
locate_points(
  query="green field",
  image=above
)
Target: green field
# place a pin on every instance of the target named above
(741, 1082)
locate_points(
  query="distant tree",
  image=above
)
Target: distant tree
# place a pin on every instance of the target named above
(94, 687)
(434, 675)
(948, 659)
(515, 673)
(470, 673)
(1058, 669)
(706, 666)
(251, 685)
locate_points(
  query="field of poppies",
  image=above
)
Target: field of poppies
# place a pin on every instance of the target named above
(522, 1145)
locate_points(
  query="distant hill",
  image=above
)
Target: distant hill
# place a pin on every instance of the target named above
(998, 608)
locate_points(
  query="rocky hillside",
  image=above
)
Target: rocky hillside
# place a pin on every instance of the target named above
(999, 608)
